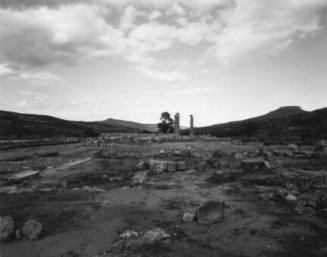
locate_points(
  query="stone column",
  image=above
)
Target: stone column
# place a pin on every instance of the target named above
(191, 126)
(176, 124)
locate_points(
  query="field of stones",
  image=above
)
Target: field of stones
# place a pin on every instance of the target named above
(160, 197)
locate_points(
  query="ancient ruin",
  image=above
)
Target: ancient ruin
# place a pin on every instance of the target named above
(191, 125)
(177, 124)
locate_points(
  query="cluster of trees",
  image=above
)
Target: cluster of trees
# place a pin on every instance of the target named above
(166, 124)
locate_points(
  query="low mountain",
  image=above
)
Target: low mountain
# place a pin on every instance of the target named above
(18, 125)
(285, 123)
(131, 124)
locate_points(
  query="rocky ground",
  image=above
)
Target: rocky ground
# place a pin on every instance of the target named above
(201, 198)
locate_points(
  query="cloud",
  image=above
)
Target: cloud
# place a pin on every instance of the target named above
(32, 100)
(258, 28)
(35, 34)
(33, 77)
(189, 91)
(166, 76)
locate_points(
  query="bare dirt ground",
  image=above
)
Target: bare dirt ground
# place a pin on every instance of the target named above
(86, 201)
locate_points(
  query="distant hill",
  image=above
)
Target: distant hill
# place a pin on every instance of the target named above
(131, 124)
(289, 122)
(18, 125)
(280, 113)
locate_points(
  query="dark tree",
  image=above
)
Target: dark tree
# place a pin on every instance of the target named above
(167, 123)
(91, 133)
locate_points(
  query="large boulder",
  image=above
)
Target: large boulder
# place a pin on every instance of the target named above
(210, 212)
(32, 229)
(6, 228)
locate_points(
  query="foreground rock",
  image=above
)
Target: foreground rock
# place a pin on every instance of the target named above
(210, 212)
(6, 228)
(32, 229)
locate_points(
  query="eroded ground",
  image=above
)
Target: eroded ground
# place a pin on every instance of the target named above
(86, 196)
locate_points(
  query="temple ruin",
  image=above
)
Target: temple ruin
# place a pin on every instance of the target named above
(177, 124)
(191, 125)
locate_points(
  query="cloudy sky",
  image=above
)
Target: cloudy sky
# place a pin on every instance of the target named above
(220, 60)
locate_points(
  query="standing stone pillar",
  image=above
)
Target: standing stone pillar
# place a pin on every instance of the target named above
(176, 124)
(191, 126)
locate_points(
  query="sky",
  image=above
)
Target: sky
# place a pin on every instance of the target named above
(220, 60)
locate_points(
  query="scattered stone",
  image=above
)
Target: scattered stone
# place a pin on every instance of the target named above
(128, 234)
(156, 234)
(320, 146)
(238, 156)
(9, 189)
(267, 165)
(171, 166)
(32, 229)
(188, 217)
(255, 164)
(268, 196)
(223, 164)
(285, 152)
(142, 165)
(304, 154)
(177, 153)
(191, 171)
(291, 198)
(222, 176)
(47, 154)
(201, 167)
(140, 177)
(18, 234)
(268, 155)
(305, 180)
(92, 189)
(6, 228)
(105, 176)
(181, 165)
(293, 147)
(161, 154)
(210, 212)
(157, 166)
(28, 174)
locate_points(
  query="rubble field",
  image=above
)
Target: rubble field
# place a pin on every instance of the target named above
(164, 198)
